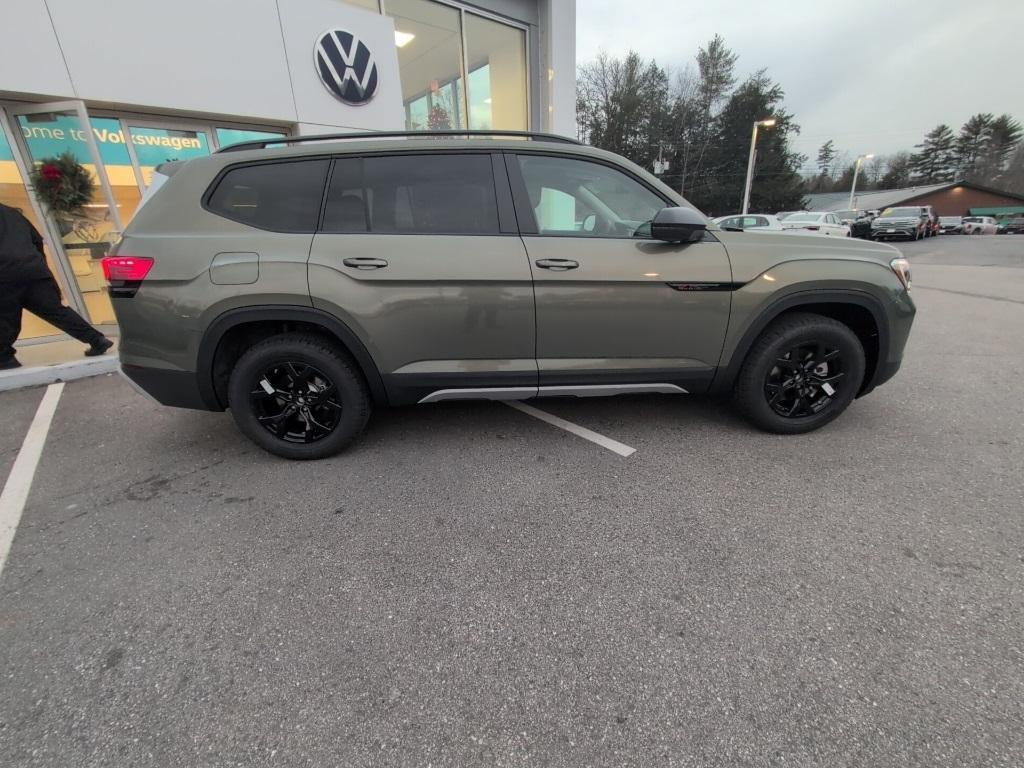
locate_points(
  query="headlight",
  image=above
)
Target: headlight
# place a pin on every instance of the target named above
(902, 269)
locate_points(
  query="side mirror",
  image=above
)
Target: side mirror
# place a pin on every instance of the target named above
(589, 223)
(678, 225)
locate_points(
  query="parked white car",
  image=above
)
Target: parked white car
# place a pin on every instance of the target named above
(980, 225)
(762, 222)
(820, 222)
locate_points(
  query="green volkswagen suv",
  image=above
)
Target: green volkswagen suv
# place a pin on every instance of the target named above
(302, 282)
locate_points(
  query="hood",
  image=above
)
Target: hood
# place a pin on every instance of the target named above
(752, 253)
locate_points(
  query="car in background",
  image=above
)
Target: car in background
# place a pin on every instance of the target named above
(909, 222)
(980, 225)
(1012, 226)
(951, 225)
(820, 222)
(762, 222)
(859, 222)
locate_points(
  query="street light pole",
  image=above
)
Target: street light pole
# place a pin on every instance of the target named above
(750, 161)
(856, 170)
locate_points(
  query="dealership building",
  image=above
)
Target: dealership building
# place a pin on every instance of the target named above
(127, 85)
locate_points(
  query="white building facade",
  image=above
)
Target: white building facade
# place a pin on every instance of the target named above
(127, 84)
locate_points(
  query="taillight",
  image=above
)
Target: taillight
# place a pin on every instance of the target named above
(126, 269)
(902, 269)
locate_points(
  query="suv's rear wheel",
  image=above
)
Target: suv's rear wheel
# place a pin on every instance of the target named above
(298, 396)
(802, 372)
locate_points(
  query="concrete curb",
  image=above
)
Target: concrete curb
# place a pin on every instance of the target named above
(20, 378)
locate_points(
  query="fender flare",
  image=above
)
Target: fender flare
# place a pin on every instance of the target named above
(725, 375)
(332, 325)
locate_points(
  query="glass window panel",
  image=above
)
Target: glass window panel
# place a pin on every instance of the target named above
(282, 197)
(228, 136)
(407, 194)
(370, 5)
(430, 62)
(496, 63)
(577, 197)
(163, 145)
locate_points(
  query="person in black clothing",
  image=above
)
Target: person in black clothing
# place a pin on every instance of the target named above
(26, 283)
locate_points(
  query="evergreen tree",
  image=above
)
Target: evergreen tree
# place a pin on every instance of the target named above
(898, 174)
(971, 143)
(826, 154)
(935, 161)
(776, 184)
(1004, 137)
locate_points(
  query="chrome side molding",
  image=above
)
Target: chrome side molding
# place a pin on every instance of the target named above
(481, 393)
(524, 393)
(606, 390)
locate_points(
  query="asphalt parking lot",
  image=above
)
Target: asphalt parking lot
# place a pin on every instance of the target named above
(473, 586)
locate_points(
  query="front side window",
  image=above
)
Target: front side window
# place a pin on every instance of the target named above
(282, 197)
(413, 194)
(585, 199)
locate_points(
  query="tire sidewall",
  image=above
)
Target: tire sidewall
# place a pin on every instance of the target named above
(351, 390)
(829, 332)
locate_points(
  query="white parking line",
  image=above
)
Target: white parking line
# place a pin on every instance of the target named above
(19, 482)
(605, 442)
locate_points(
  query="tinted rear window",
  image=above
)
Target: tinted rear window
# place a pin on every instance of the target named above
(413, 194)
(283, 197)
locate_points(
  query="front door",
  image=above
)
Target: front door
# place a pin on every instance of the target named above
(420, 255)
(616, 311)
(62, 135)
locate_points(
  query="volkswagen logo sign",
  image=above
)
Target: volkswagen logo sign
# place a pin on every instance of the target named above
(346, 66)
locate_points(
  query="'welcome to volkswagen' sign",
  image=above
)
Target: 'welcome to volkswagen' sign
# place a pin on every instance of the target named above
(346, 66)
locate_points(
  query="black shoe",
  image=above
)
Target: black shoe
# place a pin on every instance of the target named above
(99, 347)
(9, 365)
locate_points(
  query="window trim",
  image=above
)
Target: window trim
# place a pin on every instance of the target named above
(524, 211)
(211, 189)
(506, 216)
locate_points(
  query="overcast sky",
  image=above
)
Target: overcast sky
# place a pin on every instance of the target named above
(873, 75)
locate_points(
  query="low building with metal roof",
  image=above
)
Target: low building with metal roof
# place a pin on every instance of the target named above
(956, 198)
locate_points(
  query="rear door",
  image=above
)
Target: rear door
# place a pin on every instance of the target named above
(420, 255)
(616, 311)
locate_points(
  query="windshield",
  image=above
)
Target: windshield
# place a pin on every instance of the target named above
(901, 212)
(949, 219)
(846, 214)
(804, 217)
(973, 219)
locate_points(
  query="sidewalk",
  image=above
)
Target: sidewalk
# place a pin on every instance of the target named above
(56, 361)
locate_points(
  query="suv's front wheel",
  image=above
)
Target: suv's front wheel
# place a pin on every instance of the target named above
(802, 372)
(298, 396)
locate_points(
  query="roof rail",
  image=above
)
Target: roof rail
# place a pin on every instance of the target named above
(370, 135)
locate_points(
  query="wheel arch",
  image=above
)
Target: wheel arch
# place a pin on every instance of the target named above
(858, 310)
(235, 330)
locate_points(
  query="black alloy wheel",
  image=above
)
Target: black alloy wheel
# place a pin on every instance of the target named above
(801, 373)
(804, 380)
(298, 395)
(296, 402)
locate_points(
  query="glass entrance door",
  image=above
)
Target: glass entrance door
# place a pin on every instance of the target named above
(52, 136)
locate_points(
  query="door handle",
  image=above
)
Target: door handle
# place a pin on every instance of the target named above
(557, 265)
(364, 262)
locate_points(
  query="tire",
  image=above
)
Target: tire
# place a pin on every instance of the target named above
(767, 364)
(301, 370)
